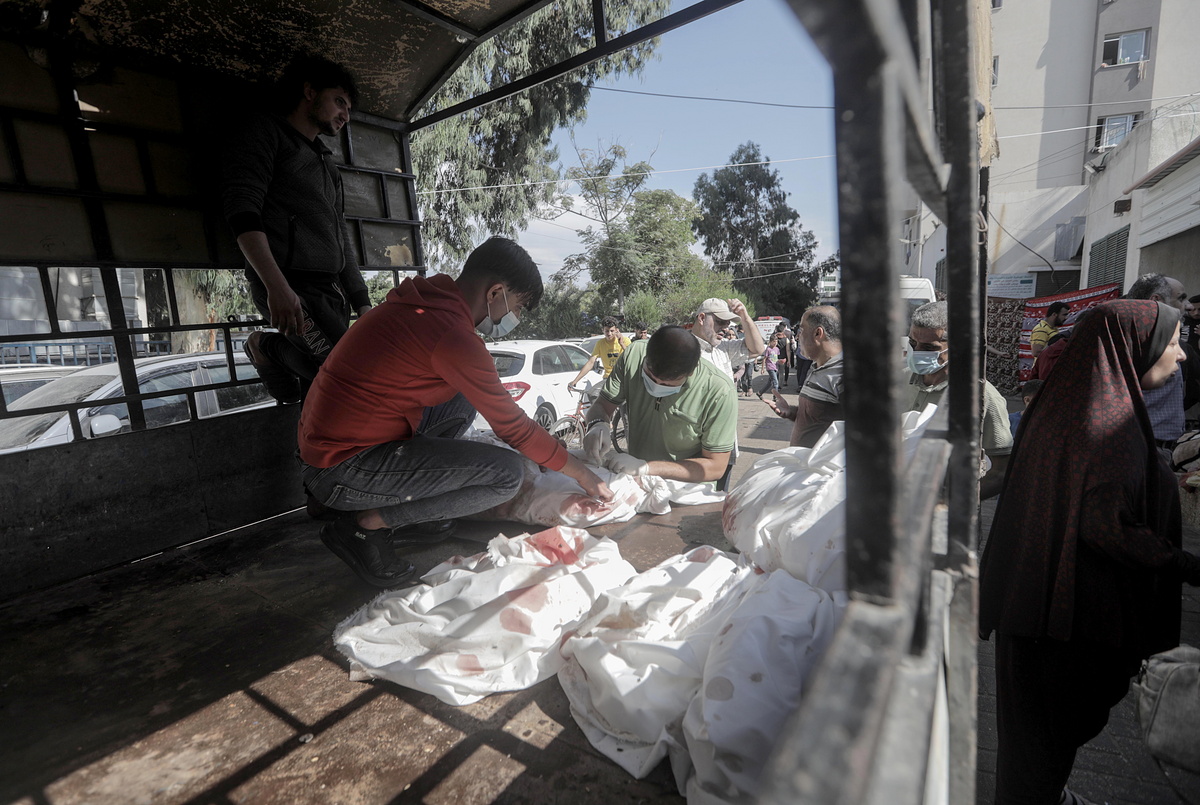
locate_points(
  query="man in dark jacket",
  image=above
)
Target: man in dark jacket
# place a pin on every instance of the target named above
(283, 199)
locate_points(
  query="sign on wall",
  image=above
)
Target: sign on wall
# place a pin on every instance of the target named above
(1012, 286)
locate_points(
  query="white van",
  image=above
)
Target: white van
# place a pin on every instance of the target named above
(914, 291)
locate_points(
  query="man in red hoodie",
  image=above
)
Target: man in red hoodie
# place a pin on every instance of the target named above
(378, 433)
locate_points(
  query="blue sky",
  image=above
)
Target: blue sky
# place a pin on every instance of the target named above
(756, 50)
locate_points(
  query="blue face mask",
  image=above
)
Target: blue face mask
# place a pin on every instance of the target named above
(924, 363)
(658, 389)
(498, 329)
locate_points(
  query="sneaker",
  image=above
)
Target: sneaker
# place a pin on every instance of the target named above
(279, 382)
(366, 551)
(421, 535)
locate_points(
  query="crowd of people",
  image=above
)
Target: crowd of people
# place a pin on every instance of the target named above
(1082, 571)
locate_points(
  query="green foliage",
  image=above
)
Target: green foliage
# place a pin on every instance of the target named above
(559, 315)
(378, 286)
(679, 303)
(643, 243)
(508, 142)
(224, 293)
(750, 230)
(607, 183)
(643, 306)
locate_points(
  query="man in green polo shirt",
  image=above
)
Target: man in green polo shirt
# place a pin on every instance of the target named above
(682, 416)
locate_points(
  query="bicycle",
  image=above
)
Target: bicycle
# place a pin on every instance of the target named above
(570, 429)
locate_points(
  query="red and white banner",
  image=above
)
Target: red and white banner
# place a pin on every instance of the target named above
(1035, 311)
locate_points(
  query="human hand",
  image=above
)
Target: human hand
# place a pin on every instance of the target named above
(286, 311)
(738, 308)
(1189, 481)
(597, 443)
(594, 487)
(625, 464)
(778, 405)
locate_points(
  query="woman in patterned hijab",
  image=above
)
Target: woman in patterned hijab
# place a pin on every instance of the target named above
(1081, 576)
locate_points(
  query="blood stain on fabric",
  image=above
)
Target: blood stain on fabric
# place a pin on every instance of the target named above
(719, 689)
(530, 598)
(514, 620)
(469, 664)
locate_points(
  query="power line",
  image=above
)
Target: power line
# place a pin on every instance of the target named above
(1088, 105)
(1091, 126)
(582, 179)
(715, 100)
(817, 106)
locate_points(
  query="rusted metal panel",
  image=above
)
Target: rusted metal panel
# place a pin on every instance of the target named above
(74, 509)
(396, 48)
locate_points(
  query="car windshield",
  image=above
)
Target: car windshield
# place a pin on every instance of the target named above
(72, 388)
(508, 363)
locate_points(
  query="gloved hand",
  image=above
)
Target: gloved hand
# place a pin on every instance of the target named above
(597, 443)
(625, 464)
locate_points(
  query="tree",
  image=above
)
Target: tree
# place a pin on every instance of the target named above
(559, 315)
(660, 222)
(607, 184)
(750, 230)
(508, 142)
(378, 286)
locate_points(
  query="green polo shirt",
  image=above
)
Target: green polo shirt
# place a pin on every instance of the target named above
(703, 415)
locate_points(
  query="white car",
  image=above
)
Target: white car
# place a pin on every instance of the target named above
(19, 380)
(536, 374)
(98, 383)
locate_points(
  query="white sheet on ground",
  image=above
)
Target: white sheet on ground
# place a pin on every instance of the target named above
(486, 623)
(549, 498)
(701, 659)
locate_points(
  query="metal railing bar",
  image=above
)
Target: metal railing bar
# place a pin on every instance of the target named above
(922, 487)
(965, 394)
(125, 398)
(836, 729)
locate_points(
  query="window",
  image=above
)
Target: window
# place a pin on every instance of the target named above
(995, 70)
(234, 397)
(1107, 263)
(1111, 130)
(997, 4)
(1125, 48)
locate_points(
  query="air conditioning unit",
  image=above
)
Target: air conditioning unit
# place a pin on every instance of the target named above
(1122, 205)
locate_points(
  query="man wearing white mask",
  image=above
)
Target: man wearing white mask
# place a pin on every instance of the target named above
(929, 362)
(682, 416)
(378, 433)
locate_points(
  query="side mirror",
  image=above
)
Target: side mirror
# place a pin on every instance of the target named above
(597, 370)
(104, 424)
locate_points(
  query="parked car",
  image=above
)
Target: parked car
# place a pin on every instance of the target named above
(19, 380)
(536, 374)
(98, 383)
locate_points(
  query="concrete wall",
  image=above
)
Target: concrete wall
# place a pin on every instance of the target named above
(1176, 257)
(1030, 216)
(1045, 49)
(1149, 145)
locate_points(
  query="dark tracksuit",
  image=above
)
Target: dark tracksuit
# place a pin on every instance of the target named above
(280, 183)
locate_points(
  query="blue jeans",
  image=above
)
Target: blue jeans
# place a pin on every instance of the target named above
(432, 476)
(774, 375)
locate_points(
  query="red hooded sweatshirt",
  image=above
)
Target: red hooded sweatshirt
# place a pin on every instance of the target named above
(417, 349)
